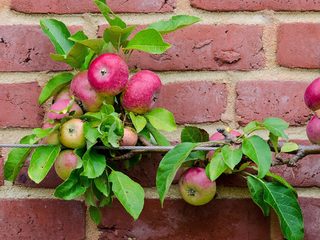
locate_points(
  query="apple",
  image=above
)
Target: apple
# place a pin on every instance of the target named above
(63, 94)
(312, 95)
(130, 137)
(108, 74)
(313, 130)
(53, 138)
(65, 163)
(195, 187)
(72, 134)
(58, 110)
(141, 92)
(81, 89)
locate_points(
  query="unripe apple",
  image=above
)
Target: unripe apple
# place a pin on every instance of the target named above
(312, 95)
(53, 138)
(313, 130)
(64, 94)
(130, 137)
(72, 134)
(81, 89)
(195, 187)
(108, 74)
(141, 92)
(65, 163)
(58, 110)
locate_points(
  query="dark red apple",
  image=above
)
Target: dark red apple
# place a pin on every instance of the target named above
(312, 95)
(72, 134)
(313, 130)
(130, 137)
(65, 163)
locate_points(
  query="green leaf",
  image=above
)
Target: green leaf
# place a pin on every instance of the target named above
(42, 133)
(281, 180)
(160, 139)
(258, 151)
(89, 196)
(276, 126)
(17, 157)
(78, 36)
(232, 156)
(54, 85)
(129, 193)
(112, 19)
(91, 134)
(175, 23)
(289, 147)
(161, 119)
(41, 162)
(274, 141)
(257, 191)
(252, 126)
(139, 122)
(117, 35)
(71, 188)
(194, 134)
(94, 164)
(216, 166)
(102, 185)
(95, 214)
(58, 34)
(112, 131)
(169, 166)
(148, 40)
(94, 44)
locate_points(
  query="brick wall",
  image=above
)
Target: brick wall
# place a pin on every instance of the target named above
(246, 60)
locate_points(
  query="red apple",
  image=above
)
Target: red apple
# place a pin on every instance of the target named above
(130, 137)
(313, 130)
(58, 110)
(65, 163)
(195, 187)
(312, 95)
(141, 92)
(53, 138)
(72, 134)
(108, 74)
(63, 94)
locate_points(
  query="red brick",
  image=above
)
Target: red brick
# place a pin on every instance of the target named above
(221, 219)
(25, 48)
(42, 219)
(194, 102)
(253, 5)
(257, 100)
(298, 45)
(19, 105)
(73, 6)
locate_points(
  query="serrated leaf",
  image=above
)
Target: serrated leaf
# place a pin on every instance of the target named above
(91, 134)
(129, 193)
(148, 40)
(95, 44)
(41, 162)
(78, 36)
(216, 166)
(257, 191)
(173, 24)
(231, 156)
(112, 19)
(276, 126)
(161, 119)
(252, 126)
(117, 35)
(95, 214)
(169, 166)
(94, 164)
(42, 133)
(194, 134)
(289, 147)
(54, 85)
(274, 141)
(102, 184)
(160, 138)
(259, 152)
(139, 122)
(281, 180)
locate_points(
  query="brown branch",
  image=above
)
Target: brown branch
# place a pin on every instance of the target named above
(125, 156)
(144, 141)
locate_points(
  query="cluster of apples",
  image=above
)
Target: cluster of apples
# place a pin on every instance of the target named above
(106, 77)
(312, 100)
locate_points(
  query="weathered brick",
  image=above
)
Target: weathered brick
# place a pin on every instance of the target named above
(207, 47)
(19, 105)
(42, 219)
(194, 102)
(298, 45)
(257, 100)
(220, 219)
(25, 48)
(253, 5)
(73, 6)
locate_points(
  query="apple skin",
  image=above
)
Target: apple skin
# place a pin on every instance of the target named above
(65, 163)
(63, 94)
(59, 106)
(141, 92)
(53, 138)
(313, 130)
(195, 187)
(312, 95)
(72, 134)
(81, 89)
(130, 137)
(108, 74)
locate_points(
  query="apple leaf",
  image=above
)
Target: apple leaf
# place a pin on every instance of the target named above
(95, 45)
(252, 126)
(129, 193)
(257, 191)
(216, 166)
(95, 214)
(161, 119)
(102, 184)
(259, 152)
(276, 126)
(94, 163)
(78, 36)
(139, 122)
(274, 141)
(117, 35)
(17, 157)
(111, 18)
(54, 85)
(41, 162)
(111, 129)
(58, 34)
(173, 24)
(289, 147)
(169, 166)
(194, 134)
(148, 40)
(160, 139)
(281, 180)
(231, 156)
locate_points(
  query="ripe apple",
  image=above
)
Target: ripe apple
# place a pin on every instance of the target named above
(195, 187)
(65, 163)
(141, 92)
(130, 137)
(313, 130)
(81, 89)
(108, 74)
(53, 138)
(312, 95)
(58, 110)
(72, 134)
